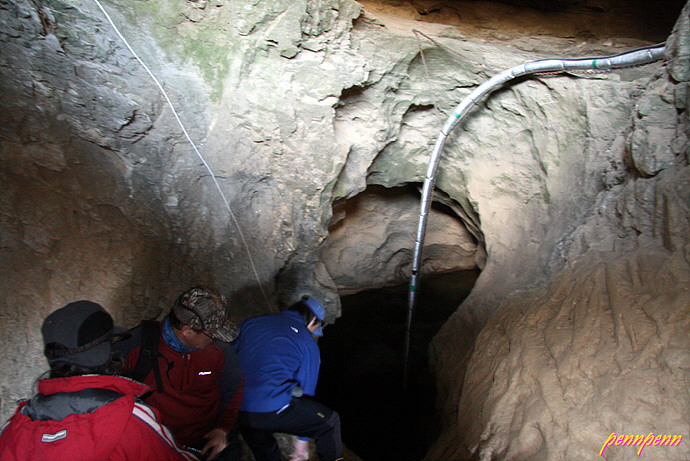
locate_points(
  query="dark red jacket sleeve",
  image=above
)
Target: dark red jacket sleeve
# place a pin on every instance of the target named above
(231, 389)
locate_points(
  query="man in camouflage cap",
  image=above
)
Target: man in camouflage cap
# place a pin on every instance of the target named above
(202, 310)
(193, 369)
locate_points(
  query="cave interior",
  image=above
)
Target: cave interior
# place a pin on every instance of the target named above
(82, 234)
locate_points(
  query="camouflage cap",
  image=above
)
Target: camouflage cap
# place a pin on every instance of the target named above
(204, 309)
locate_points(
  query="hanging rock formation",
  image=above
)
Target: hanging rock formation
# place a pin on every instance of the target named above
(372, 243)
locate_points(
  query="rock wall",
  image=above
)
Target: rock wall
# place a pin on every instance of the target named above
(371, 243)
(292, 108)
(602, 347)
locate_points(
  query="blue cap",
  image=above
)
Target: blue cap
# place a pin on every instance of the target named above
(318, 310)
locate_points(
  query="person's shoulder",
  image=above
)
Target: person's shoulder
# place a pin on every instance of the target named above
(259, 322)
(261, 319)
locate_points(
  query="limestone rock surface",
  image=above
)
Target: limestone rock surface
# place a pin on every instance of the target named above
(371, 245)
(602, 347)
(220, 142)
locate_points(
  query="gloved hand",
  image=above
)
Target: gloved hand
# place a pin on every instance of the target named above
(301, 452)
(297, 391)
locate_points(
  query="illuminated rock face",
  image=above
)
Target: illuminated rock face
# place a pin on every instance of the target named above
(602, 346)
(370, 244)
(301, 109)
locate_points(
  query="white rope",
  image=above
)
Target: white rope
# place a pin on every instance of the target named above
(437, 112)
(201, 157)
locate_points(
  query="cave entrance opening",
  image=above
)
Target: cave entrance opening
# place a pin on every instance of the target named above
(368, 256)
(362, 366)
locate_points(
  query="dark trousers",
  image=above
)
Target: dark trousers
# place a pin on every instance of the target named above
(304, 417)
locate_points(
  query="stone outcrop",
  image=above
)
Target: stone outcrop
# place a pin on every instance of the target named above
(602, 347)
(285, 114)
(371, 244)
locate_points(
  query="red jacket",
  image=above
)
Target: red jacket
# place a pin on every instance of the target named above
(108, 424)
(202, 390)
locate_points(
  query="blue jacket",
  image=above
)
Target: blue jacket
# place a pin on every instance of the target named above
(275, 353)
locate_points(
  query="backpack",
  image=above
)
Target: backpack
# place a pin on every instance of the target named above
(148, 355)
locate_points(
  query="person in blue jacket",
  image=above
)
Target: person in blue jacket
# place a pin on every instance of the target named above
(280, 360)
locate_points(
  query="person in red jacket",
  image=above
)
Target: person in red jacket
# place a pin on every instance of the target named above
(81, 413)
(197, 380)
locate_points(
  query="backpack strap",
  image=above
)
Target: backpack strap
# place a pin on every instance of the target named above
(148, 355)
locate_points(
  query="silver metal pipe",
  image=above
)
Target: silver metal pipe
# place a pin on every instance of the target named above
(631, 58)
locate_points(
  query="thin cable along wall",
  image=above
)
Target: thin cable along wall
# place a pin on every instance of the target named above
(633, 58)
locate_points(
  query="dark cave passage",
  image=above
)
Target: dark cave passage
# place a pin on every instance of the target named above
(362, 366)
